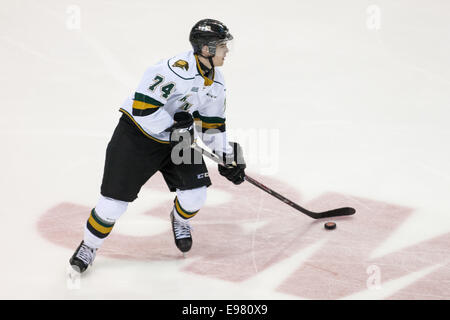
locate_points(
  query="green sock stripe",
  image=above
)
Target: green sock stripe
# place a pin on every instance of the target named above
(100, 221)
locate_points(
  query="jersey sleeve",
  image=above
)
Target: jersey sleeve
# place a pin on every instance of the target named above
(211, 125)
(150, 97)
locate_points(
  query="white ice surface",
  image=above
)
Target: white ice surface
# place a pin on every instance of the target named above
(367, 111)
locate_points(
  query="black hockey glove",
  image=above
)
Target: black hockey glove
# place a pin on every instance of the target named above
(182, 129)
(234, 171)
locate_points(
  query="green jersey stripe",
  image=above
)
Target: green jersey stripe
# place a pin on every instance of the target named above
(146, 99)
(196, 114)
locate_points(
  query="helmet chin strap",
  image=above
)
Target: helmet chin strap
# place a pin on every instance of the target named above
(210, 59)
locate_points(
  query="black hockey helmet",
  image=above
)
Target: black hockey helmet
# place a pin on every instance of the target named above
(208, 32)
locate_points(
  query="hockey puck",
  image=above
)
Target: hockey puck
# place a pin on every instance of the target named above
(330, 225)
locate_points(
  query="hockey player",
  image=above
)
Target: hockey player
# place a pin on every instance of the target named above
(171, 95)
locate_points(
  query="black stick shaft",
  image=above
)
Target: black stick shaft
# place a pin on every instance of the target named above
(280, 197)
(315, 215)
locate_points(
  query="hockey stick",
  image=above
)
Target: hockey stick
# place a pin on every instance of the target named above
(346, 211)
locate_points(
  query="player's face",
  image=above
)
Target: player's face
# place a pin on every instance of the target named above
(221, 52)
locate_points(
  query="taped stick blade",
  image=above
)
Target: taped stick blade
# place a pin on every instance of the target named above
(347, 211)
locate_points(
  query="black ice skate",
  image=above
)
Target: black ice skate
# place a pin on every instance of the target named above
(82, 258)
(181, 233)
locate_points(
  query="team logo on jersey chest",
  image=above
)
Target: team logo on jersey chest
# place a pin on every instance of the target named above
(183, 64)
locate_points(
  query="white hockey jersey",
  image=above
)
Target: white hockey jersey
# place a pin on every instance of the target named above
(178, 84)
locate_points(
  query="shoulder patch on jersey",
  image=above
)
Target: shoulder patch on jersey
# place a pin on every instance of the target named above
(183, 64)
